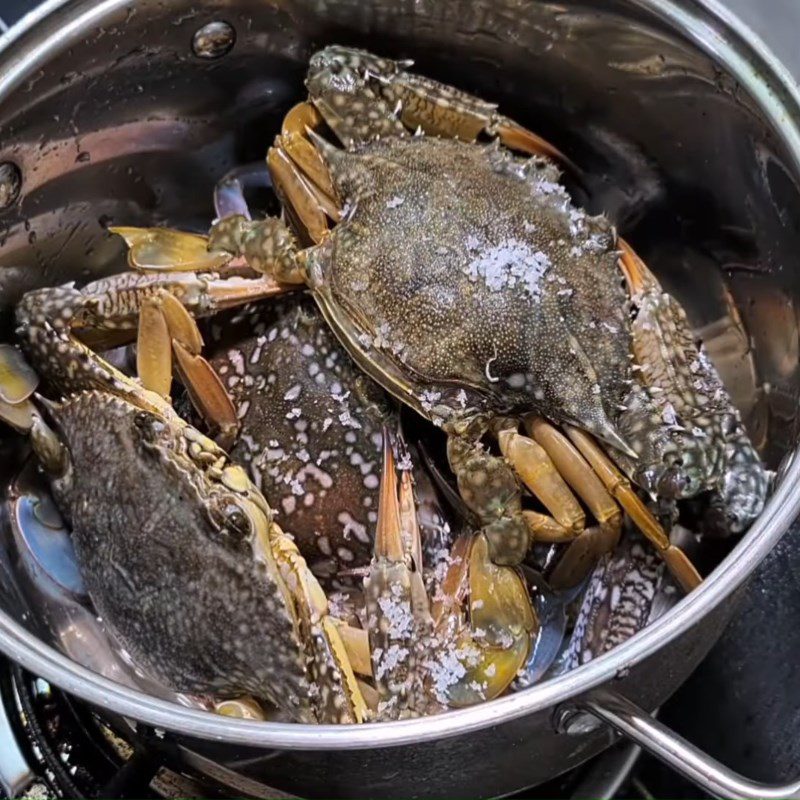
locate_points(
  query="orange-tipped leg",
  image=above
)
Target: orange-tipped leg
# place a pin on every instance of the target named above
(637, 274)
(166, 327)
(397, 625)
(515, 137)
(620, 488)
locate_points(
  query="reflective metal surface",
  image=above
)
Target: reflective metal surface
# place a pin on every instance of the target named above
(15, 773)
(689, 131)
(680, 754)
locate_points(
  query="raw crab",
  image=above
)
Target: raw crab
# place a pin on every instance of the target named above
(462, 278)
(179, 550)
(310, 433)
(310, 427)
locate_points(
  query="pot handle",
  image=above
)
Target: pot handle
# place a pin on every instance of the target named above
(666, 745)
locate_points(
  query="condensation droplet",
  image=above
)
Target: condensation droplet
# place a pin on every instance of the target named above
(213, 40)
(10, 183)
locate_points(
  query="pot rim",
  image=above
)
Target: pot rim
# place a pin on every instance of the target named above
(721, 35)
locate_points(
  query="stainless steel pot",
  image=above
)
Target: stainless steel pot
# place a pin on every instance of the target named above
(119, 110)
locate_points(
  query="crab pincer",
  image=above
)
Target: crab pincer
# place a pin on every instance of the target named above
(18, 381)
(462, 646)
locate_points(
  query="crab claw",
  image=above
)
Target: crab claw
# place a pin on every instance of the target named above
(465, 647)
(19, 416)
(339, 696)
(397, 611)
(494, 647)
(18, 381)
(165, 249)
(243, 707)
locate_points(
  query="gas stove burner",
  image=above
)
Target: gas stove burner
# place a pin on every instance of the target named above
(54, 746)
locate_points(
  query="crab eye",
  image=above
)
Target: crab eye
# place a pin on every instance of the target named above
(148, 424)
(237, 522)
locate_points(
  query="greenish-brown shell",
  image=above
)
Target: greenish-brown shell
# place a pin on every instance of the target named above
(466, 275)
(169, 556)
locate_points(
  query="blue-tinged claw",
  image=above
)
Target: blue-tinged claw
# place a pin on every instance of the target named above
(551, 609)
(231, 190)
(45, 545)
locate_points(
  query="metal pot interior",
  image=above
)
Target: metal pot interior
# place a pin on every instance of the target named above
(112, 117)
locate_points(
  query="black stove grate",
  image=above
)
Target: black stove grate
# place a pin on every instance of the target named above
(66, 745)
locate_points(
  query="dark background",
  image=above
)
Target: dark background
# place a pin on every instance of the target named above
(12, 10)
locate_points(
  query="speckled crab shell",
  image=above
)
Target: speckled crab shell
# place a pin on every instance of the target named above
(311, 427)
(506, 297)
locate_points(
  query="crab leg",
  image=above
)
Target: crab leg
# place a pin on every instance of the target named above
(162, 305)
(545, 529)
(619, 487)
(19, 416)
(454, 587)
(412, 542)
(154, 351)
(663, 340)
(296, 124)
(267, 245)
(18, 381)
(495, 644)
(297, 195)
(583, 552)
(340, 698)
(706, 429)
(549, 465)
(166, 327)
(396, 622)
(114, 303)
(356, 643)
(638, 276)
(576, 472)
(619, 601)
(45, 317)
(419, 656)
(244, 707)
(376, 97)
(441, 110)
(163, 323)
(164, 249)
(488, 486)
(537, 471)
